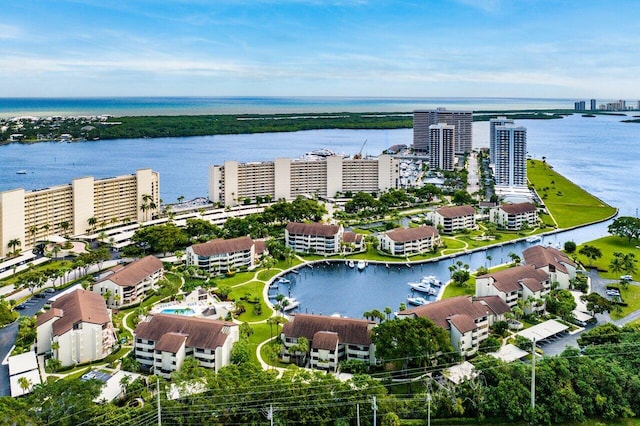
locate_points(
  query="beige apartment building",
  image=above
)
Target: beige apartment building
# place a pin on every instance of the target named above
(233, 182)
(32, 216)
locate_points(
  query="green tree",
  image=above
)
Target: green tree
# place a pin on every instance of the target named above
(590, 252)
(561, 303)
(13, 243)
(570, 247)
(412, 342)
(626, 227)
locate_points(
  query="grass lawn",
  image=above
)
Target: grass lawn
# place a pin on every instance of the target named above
(262, 332)
(238, 278)
(453, 290)
(567, 202)
(632, 297)
(608, 245)
(249, 292)
(265, 275)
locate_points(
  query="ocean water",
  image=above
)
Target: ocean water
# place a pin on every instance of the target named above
(11, 107)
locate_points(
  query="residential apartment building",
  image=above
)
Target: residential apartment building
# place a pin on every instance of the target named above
(32, 216)
(409, 241)
(560, 268)
(314, 238)
(524, 283)
(467, 319)
(579, 106)
(331, 340)
(513, 217)
(129, 284)
(162, 342)
(510, 166)
(77, 329)
(453, 219)
(462, 120)
(222, 255)
(593, 105)
(283, 178)
(441, 146)
(493, 123)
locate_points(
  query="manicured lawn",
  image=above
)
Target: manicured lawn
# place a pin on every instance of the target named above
(238, 278)
(452, 244)
(569, 204)
(265, 275)
(632, 297)
(453, 290)
(608, 245)
(249, 292)
(261, 332)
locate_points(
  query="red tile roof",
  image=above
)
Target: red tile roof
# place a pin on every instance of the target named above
(325, 340)
(510, 280)
(456, 211)
(518, 208)
(464, 323)
(220, 246)
(171, 342)
(201, 332)
(351, 237)
(354, 331)
(495, 303)
(403, 235)
(135, 272)
(441, 311)
(312, 229)
(76, 307)
(540, 257)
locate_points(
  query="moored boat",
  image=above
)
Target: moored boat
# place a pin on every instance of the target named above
(361, 264)
(417, 300)
(350, 264)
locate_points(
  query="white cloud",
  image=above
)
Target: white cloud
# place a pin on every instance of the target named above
(8, 32)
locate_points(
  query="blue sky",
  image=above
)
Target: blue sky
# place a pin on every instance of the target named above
(462, 48)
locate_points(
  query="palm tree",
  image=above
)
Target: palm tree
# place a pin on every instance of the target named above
(55, 250)
(34, 231)
(13, 243)
(92, 221)
(515, 258)
(64, 225)
(180, 199)
(25, 384)
(388, 311)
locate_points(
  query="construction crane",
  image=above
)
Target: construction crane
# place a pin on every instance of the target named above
(359, 154)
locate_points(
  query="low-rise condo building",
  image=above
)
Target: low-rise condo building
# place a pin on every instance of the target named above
(409, 241)
(128, 284)
(32, 216)
(560, 268)
(514, 217)
(524, 283)
(453, 219)
(222, 255)
(314, 238)
(77, 329)
(162, 342)
(331, 340)
(326, 176)
(466, 319)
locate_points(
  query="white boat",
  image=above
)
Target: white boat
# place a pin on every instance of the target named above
(284, 280)
(350, 264)
(361, 264)
(273, 285)
(534, 239)
(423, 288)
(293, 303)
(431, 280)
(21, 172)
(417, 300)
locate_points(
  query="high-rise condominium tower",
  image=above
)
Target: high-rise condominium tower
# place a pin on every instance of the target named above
(441, 146)
(498, 121)
(462, 120)
(511, 155)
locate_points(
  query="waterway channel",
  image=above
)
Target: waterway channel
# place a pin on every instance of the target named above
(333, 288)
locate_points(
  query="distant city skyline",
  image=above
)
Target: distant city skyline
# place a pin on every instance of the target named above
(457, 48)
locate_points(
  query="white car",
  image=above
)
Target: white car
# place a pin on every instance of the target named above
(626, 278)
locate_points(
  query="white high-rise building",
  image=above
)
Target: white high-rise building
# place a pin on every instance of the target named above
(510, 155)
(498, 121)
(442, 142)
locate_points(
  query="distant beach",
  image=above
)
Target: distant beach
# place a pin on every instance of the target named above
(129, 106)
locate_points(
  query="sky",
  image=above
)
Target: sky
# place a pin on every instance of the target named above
(425, 48)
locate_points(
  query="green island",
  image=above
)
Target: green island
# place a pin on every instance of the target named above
(572, 389)
(95, 128)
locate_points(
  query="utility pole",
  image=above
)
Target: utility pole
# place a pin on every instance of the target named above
(533, 374)
(358, 414)
(429, 408)
(158, 395)
(374, 407)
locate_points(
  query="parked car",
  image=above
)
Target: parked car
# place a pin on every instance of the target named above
(21, 306)
(626, 278)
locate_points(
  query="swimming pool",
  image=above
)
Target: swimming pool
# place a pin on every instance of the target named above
(178, 311)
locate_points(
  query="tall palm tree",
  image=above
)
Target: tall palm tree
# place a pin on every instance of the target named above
(64, 225)
(92, 221)
(13, 243)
